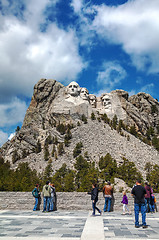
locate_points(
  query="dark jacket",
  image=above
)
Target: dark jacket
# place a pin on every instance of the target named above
(94, 194)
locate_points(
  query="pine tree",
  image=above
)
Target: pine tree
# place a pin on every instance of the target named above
(60, 149)
(84, 119)
(77, 149)
(93, 116)
(15, 156)
(46, 152)
(53, 150)
(38, 147)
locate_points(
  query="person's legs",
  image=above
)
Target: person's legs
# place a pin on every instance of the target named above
(136, 211)
(44, 206)
(48, 203)
(51, 204)
(143, 213)
(93, 206)
(109, 203)
(105, 205)
(124, 208)
(149, 204)
(36, 203)
(152, 204)
(97, 208)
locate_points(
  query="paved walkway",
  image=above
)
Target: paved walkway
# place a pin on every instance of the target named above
(74, 225)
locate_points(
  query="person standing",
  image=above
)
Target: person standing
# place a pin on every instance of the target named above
(148, 197)
(139, 192)
(52, 198)
(36, 195)
(107, 192)
(94, 198)
(46, 193)
(125, 203)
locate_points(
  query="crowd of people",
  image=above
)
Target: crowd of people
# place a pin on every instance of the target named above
(144, 199)
(49, 197)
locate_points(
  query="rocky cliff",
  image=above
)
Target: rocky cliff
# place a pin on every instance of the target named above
(87, 119)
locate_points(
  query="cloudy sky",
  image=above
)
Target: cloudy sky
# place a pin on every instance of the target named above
(102, 44)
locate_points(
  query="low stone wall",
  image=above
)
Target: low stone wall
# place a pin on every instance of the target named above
(65, 201)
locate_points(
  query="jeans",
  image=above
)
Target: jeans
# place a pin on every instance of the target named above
(152, 203)
(51, 203)
(148, 204)
(94, 207)
(142, 207)
(107, 202)
(46, 201)
(36, 204)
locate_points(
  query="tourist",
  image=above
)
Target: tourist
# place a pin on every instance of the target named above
(125, 203)
(36, 195)
(139, 192)
(46, 193)
(149, 191)
(107, 192)
(52, 198)
(152, 202)
(94, 198)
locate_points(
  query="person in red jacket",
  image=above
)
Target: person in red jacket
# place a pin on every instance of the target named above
(107, 192)
(148, 197)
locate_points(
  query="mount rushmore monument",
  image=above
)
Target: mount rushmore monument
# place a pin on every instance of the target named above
(53, 103)
(75, 99)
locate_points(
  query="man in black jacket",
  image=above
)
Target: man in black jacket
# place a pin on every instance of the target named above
(94, 198)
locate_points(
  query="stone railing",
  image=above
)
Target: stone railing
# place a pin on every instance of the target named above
(65, 201)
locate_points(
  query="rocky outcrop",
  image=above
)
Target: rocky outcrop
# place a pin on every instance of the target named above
(53, 104)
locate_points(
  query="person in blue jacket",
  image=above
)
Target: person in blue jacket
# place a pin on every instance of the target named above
(36, 195)
(94, 198)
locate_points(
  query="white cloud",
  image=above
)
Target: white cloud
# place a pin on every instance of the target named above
(77, 5)
(3, 137)
(148, 88)
(111, 75)
(134, 25)
(12, 113)
(27, 54)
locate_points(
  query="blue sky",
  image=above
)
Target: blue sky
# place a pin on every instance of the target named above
(102, 44)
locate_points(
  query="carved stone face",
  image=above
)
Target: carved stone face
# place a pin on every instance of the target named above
(93, 100)
(106, 101)
(84, 94)
(73, 89)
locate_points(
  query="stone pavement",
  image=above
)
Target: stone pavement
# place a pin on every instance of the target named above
(74, 225)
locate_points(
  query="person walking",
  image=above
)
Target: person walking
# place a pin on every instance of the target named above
(36, 195)
(139, 203)
(125, 203)
(107, 192)
(46, 193)
(94, 198)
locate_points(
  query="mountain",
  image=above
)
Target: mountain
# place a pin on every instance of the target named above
(60, 117)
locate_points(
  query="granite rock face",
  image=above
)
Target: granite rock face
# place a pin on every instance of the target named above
(52, 104)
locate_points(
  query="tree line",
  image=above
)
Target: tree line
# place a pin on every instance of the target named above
(80, 178)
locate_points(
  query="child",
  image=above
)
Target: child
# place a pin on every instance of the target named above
(125, 203)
